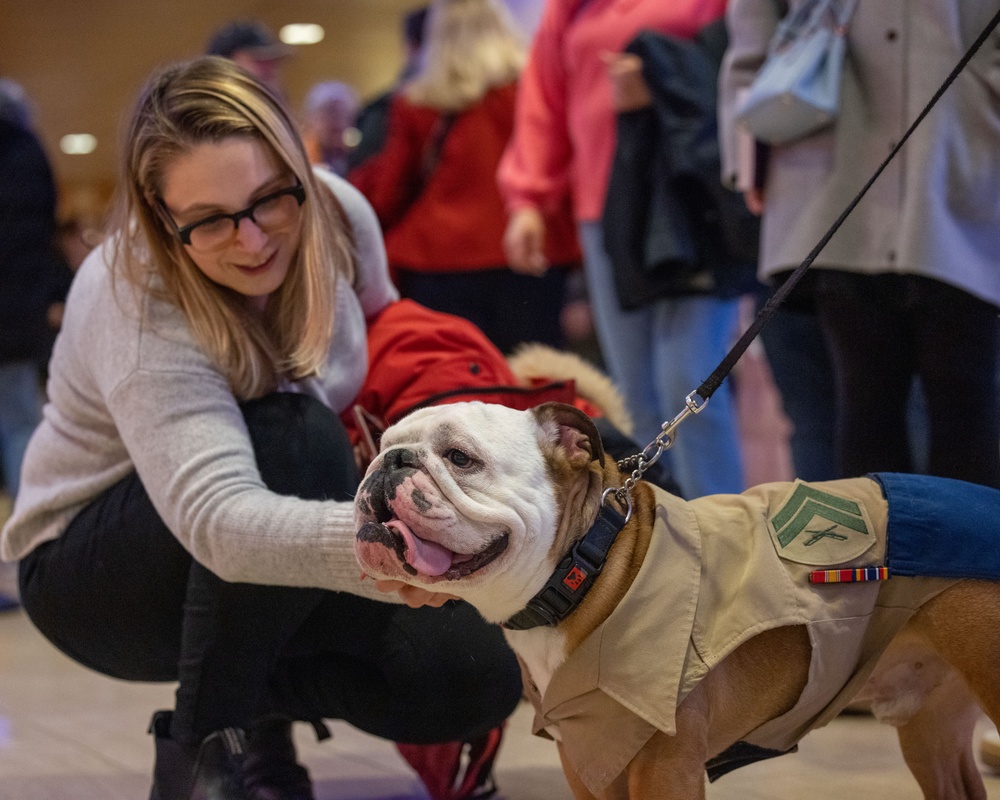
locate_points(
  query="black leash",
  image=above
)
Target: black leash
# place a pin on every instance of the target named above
(641, 461)
(575, 574)
(707, 389)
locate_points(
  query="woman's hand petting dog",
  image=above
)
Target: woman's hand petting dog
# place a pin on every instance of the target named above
(414, 596)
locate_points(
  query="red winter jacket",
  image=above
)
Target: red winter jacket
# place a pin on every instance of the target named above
(419, 357)
(456, 221)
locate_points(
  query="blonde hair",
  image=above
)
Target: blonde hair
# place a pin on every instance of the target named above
(470, 47)
(207, 100)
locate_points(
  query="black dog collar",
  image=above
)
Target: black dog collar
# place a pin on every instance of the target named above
(573, 577)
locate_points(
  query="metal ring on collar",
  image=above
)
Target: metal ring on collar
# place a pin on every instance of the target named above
(622, 496)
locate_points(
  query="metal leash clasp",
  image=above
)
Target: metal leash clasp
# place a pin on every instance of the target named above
(652, 451)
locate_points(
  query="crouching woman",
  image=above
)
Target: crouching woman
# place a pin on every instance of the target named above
(185, 511)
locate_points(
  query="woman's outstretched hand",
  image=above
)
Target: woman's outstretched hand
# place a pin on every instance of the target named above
(414, 596)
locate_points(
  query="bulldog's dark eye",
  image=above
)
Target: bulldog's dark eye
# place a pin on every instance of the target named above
(458, 458)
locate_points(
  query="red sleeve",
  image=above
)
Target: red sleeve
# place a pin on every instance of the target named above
(534, 170)
(391, 179)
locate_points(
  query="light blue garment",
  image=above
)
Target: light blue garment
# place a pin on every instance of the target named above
(935, 210)
(940, 527)
(20, 412)
(659, 354)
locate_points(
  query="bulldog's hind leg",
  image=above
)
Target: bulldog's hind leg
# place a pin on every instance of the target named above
(962, 625)
(937, 743)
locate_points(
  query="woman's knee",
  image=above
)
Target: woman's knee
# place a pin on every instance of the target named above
(301, 446)
(459, 662)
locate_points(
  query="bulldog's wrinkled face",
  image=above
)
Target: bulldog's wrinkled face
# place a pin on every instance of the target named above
(462, 499)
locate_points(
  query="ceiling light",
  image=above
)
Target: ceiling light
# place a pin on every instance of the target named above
(301, 33)
(351, 137)
(76, 144)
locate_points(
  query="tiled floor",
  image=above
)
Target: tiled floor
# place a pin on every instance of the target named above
(70, 734)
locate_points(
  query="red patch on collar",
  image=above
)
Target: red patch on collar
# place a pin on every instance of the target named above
(575, 578)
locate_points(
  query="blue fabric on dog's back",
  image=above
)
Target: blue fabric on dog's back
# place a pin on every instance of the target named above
(941, 528)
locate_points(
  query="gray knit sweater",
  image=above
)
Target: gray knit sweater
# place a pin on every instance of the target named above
(130, 389)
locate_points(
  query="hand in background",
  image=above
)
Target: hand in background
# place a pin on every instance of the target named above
(523, 242)
(754, 198)
(54, 315)
(629, 91)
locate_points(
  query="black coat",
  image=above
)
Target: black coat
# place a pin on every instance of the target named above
(670, 227)
(32, 274)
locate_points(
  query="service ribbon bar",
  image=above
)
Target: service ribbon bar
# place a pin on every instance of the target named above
(849, 575)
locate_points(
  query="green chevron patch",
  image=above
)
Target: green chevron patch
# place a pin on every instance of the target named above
(816, 527)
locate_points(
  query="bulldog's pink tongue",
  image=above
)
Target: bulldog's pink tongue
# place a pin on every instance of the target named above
(425, 557)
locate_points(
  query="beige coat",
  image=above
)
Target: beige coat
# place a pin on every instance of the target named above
(713, 578)
(935, 211)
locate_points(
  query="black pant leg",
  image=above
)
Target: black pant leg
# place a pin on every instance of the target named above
(109, 592)
(118, 593)
(115, 591)
(873, 362)
(528, 308)
(957, 343)
(233, 632)
(420, 675)
(509, 308)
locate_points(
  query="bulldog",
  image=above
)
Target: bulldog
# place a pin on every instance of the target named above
(661, 638)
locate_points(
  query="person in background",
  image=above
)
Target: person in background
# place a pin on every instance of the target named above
(253, 46)
(76, 239)
(373, 119)
(33, 281)
(909, 286)
(328, 124)
(563, 144)
(74, 242)
(434, 189)
(185, 510)
(908, 289)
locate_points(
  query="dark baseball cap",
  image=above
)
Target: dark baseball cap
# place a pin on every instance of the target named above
(248, 35)
(413, 26)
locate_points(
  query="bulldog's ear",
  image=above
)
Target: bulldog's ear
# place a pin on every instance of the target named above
(577, 432)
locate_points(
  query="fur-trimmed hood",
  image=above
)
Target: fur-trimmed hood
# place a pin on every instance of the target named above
(538, 362)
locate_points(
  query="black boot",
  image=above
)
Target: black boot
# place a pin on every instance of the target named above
(270, 769)
(212, 770)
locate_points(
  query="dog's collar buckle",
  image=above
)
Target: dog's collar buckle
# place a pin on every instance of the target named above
(573, 577)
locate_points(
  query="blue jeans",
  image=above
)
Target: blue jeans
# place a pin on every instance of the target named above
(20, 412)
(659, 354)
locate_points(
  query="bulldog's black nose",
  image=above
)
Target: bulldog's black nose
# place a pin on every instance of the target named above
(399, 458)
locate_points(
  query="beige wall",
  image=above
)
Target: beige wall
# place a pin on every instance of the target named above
(82, 61)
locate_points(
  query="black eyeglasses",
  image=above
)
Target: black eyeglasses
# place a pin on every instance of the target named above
(219, 230)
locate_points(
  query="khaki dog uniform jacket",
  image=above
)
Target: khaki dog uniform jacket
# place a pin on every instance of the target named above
(719, 570)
